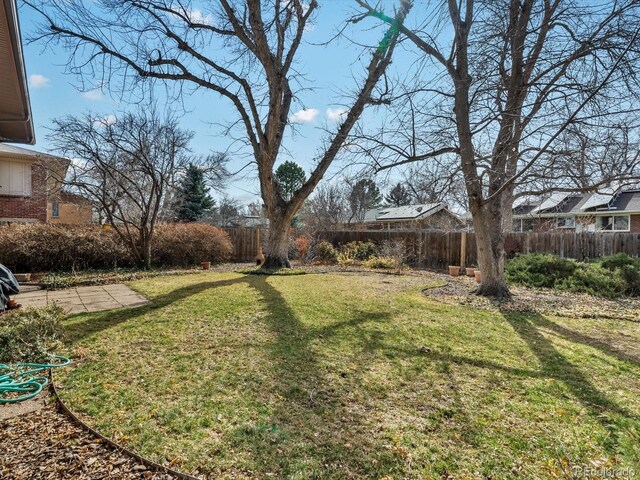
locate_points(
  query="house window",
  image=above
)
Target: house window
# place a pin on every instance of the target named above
(523, 225)
(15, 178)
(565, 223)
(55, 209)
(613, 223)
(517, 225)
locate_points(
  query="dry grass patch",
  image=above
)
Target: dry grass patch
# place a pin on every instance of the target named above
(340, 376)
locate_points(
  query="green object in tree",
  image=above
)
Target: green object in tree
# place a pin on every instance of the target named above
(193, 201)
(290, 177)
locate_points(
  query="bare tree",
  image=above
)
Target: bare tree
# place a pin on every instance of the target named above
(437, 181)
(127, 166)
(500, 83)
(228, 212)
(244, 51)
(327, 208)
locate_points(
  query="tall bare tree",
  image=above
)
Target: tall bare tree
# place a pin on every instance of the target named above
(327, 208)
(500, 82)
(127, 166)
(243, 50)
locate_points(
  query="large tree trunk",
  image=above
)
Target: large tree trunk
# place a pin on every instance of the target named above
(277, 255)
(488, 225)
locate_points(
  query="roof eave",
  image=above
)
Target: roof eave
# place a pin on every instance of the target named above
(11, 11)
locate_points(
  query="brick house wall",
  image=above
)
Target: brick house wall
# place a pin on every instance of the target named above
(33, 208)
(634, 224)
(70, 213)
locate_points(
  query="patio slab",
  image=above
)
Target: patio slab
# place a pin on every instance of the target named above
(85, 299)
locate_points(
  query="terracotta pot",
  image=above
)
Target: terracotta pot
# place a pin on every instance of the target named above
(206, 265)
(471, 271)
(454, 271)
(478, 276)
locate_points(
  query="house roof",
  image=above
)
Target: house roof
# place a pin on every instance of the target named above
(13, 151)
(16, 124)
(410, 212)
(584, 204)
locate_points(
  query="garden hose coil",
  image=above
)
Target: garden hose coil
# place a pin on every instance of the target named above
(23, 381)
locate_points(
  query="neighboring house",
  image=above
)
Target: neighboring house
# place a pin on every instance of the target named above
(30, 182)
(69, 208)
(31, 189)
(430, 216)
(253, 221)
(15, 110)
(617, 211)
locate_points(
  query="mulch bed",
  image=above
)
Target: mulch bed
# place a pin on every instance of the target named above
(459, 291)
(46, 444)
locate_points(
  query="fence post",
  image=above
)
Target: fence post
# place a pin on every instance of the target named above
(463, 250)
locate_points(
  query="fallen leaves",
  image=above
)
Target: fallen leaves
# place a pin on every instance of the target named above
(46, 445)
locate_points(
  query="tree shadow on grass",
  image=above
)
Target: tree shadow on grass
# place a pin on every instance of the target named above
(93, 323)
(308, 392)
(312, 432)
(597, 343)
(554, 365)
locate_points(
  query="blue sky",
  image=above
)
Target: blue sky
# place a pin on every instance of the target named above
(329, 70)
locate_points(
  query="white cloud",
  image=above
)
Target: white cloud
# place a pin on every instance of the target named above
(105, 121)
(196, 16)
(95, 94)
(38, 81)
(304, 116)
(336, 114)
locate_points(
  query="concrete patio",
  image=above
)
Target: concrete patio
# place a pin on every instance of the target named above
(84, 299)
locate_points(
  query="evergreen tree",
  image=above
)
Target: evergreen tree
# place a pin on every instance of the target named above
(193, 201)
(364, 195)
(398, 196)
(290, 177)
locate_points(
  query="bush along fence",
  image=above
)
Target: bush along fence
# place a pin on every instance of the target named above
(438, 250)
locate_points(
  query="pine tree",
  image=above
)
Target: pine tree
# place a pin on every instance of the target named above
(290, 177)
(399, 196)
(193, 201)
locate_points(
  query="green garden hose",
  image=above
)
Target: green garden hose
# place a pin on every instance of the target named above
(22, 379)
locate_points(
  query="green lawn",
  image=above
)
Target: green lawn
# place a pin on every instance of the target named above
(353, 376)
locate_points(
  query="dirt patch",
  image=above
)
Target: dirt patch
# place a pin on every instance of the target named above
(45, 444)
(10, 410)
(458, 291)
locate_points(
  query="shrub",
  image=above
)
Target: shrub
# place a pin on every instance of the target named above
(30, 335)
(395, 249)
(57, 248)
(595, 280)
(618, 278)
(187, 244)
(41, 247)
(382, 262)
(325, 253)
(355, 252)
(539, 269)
(619, 260)
(627, 267)
(302, 244)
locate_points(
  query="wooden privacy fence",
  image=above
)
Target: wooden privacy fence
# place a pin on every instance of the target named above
(245, 243)
(438, 250)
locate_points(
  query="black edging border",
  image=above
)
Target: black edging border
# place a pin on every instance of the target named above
(148, 463)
